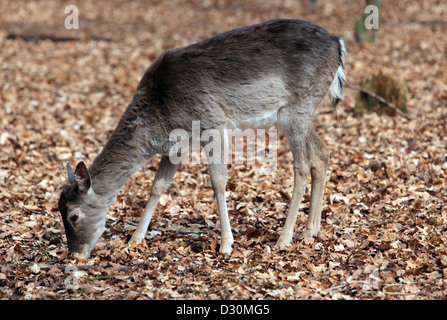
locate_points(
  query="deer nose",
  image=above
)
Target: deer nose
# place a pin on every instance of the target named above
(84, 253)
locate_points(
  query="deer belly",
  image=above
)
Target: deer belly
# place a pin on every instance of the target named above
(264, 120)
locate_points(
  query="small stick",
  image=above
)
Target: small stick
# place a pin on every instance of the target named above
(78, 267)
(48, 256)
(376, 96)
(86, 267)
(44, 251)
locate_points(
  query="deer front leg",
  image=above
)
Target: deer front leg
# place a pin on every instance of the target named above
(163, 177)
(217, 154)
(218, 175)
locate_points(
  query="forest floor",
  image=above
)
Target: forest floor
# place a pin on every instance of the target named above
(384, 221)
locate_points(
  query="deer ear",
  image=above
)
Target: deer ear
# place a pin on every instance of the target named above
(82, 177)
(70, 173)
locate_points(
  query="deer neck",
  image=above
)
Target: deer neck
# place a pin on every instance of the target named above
(124, 153)
(136, 139)
(110, 171)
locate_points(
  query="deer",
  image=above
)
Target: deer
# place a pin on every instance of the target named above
(277, 72)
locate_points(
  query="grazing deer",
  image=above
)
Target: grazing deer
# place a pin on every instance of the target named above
(277, 72)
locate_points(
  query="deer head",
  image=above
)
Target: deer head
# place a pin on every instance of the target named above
(83, 212)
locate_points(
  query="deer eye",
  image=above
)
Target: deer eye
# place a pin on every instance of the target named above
(74, 217)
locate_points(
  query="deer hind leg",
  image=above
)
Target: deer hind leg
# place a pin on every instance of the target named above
(301, 173)
(163, 177)
(295, 133)
(319, 158)
(309, 155)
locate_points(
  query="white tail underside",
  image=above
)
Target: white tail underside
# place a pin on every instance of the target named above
(336, 87)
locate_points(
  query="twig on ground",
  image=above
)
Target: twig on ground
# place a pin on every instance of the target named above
(76, 267)
(377, 97)
(44, 251)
